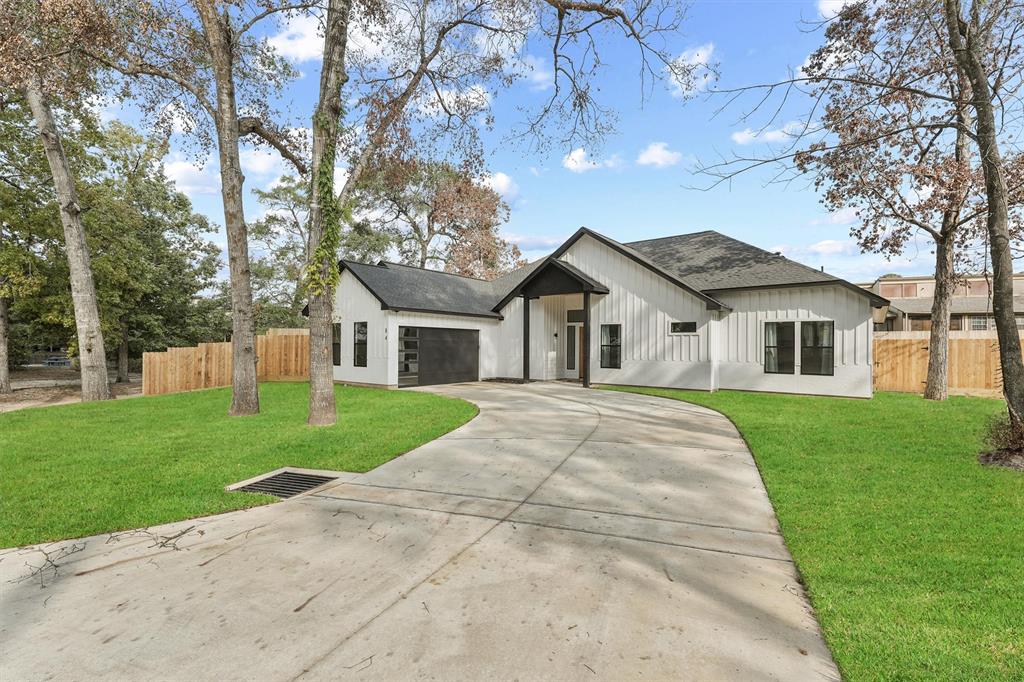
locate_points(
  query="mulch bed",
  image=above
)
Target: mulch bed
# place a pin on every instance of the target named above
(1011, 459)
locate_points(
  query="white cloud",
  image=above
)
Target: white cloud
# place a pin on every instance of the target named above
(829, 9)
(833, 247)
(538, 73)
(191, 179)
(299, 39)
(534, 242)
(463, 103)
(696, 62)
(503, 184)
(578, 162)
(658, 154)
(843, 216)
(785, 133)
(261, 162)
(537, 172)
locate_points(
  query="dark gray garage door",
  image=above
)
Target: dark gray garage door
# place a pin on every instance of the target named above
(429, 355)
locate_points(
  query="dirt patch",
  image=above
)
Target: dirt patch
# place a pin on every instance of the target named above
(1011, 459)
(58, 395)
(44, 374)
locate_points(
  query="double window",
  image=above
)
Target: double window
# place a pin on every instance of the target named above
(611, 346)
(336, 343)
(359, 345)
(817, 348)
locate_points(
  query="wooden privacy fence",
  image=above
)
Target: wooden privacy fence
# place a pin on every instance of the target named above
(281, 355)
(901, 362)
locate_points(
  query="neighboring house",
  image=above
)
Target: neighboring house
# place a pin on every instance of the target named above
(970, 310)
(700, 311)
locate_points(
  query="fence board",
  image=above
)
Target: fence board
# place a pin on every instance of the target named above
(901, 362)
(280, 356)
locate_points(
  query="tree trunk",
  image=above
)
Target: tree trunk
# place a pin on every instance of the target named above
(122, 357)
(937, 385)
(967, 47)
(5, 333)
(244, 393)
(91, 353)
(324, 225)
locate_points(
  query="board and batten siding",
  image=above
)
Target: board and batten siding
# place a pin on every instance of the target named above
(741, 339)
(354, 303)
(644, 303)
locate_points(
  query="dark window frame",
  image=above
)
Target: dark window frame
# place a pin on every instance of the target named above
(777, 347)
(359, 354)
(570, 348)
(336, 344)
(608, 348)
(831, 349)
(685, 330)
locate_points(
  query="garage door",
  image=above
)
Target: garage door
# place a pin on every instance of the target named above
(430, 355)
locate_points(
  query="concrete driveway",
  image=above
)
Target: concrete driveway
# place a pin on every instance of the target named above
(564, 534)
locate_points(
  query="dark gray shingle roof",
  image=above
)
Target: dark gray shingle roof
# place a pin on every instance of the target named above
(403, 287)
(711, 261)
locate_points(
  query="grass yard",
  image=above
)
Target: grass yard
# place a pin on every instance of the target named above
(82, 469)
(912, 552)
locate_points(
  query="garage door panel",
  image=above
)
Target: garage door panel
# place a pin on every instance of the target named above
(448, 355)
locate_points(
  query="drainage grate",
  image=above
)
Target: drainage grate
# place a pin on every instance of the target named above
(286, 484)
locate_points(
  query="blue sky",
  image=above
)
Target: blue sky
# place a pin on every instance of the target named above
(639, 184)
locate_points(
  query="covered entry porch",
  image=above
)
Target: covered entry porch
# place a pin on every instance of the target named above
(560, 327)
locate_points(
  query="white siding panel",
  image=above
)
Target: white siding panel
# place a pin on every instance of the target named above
(354, 303)
(742, 361)
(643, 302)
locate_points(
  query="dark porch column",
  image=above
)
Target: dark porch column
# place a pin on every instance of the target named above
(586, 340)
(526, 339)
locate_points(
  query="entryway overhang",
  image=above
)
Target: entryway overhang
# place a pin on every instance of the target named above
(554, 277)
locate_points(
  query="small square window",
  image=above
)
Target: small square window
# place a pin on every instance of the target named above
(682, 327)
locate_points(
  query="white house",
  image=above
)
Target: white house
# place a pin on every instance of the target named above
(700, 311)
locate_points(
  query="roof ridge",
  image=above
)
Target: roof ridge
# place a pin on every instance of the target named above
(439, 272)
(673, 236)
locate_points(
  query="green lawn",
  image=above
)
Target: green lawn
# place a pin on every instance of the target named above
(75, 470)
(912, 552)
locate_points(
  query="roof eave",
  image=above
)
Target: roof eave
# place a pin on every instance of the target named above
(876, 300)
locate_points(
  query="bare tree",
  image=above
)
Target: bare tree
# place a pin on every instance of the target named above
(986, 46)
(432, 68)
(889, 132)
(438, 216)
(194, 61)
(40, 56)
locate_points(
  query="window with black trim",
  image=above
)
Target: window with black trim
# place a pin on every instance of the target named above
(779, 347)
(817, 353)
(611, 346)
(682, 327)
(574, 316)
(570, 347)
(359, 345)
(336, 343)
